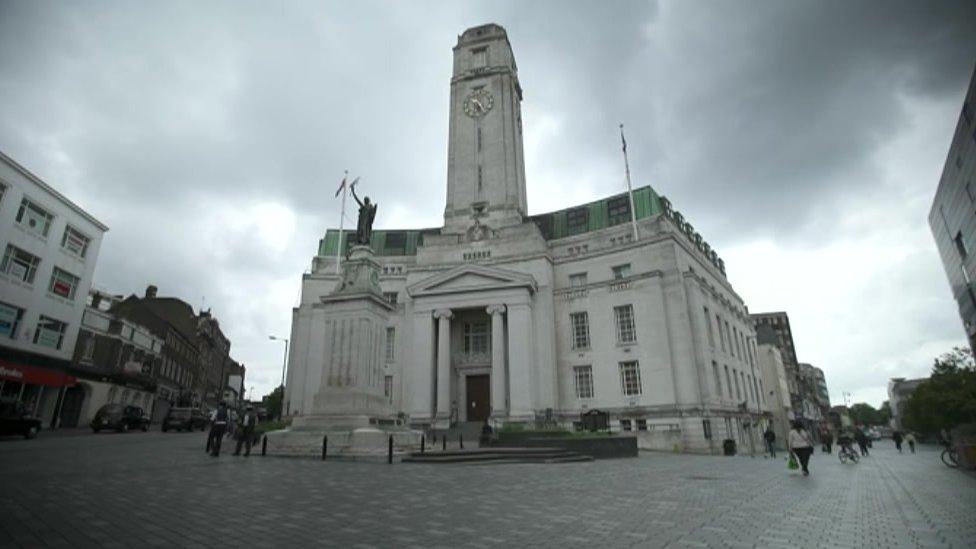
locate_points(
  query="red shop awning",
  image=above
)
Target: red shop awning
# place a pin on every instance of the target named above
(31, 375)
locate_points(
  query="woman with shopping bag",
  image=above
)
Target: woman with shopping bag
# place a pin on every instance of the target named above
(800, 447)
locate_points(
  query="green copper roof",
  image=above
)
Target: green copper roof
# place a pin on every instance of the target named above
(589, 217)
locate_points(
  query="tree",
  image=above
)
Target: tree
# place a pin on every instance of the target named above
(947, 398)
(274, 400)
(863, 413)
(884, 413)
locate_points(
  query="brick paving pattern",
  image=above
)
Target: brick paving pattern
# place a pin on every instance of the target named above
(155, 489)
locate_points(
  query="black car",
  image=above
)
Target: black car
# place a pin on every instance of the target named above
(120, 418)
(185, 419)
(14, 420)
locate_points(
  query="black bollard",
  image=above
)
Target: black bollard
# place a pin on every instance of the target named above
(264, 446)
(460, 441)
(422, 444)
(389, 453)
(444, 443)
(325, 446)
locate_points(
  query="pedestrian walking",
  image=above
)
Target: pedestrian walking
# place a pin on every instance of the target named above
(827, 437)
(910, 439)
(770, 437)
(896, 436)
(799, 444)
(862, 440)
(218, 425)
(245, 433)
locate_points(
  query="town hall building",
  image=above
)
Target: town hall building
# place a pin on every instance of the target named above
(617, 305)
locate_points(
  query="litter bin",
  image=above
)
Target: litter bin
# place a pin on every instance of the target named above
(728, 447)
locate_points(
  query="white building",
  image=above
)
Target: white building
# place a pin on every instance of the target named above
(49, 248)
(512, 318)
(777, 390)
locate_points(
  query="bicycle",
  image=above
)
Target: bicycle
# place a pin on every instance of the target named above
(847, 453)
(950, 456)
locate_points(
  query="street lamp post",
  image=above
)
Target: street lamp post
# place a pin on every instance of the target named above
(284, 363)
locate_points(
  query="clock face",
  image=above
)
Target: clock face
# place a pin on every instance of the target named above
(478, 103)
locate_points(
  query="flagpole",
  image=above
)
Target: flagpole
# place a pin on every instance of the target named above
(342, 218)
(630, 189)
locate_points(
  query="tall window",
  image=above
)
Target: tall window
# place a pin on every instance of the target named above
(630, 382)
(626, 331)
(388, 388)
(75, 241)
(19, 264)
(10, 319)
(390, 344)
(721, 334)
(718, 379)
(475, 338)
(3, 191)
(581, 330)
(728, 380)
(577, 280)
(621, 271)
(49, 332)
(34, 218)
(960, 245)
(63, 283)
(735, 338)
(735, 377)
(708, 328)
(728, 336)
(584, 381)
(89, 350)
(479, 57)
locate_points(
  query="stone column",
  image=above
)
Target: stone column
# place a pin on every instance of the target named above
(520, 368)
(443, 317)
(499, 383)
(419, 372)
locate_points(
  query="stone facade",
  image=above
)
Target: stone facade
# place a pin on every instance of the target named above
(508, 318)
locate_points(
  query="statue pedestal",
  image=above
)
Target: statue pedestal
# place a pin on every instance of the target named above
(350, 407)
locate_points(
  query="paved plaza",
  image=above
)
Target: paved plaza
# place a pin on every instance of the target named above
(156, 489)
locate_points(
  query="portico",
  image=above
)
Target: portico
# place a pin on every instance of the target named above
(472, 335)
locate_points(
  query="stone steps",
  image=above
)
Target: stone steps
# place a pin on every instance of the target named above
(487, 456)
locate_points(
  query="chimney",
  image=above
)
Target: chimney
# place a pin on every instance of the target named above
(150, 292)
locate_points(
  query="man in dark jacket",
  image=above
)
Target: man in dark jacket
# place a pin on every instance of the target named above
(245, 433)
(897, 437)
(218, 425)
(770, 438)
(862, 440)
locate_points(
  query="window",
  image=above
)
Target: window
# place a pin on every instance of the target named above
(10, 319)
(577, 280)
(625, 425)
(618, 210)
(728, 381)
(735, 338)
(388, 388)
(707, 428)
(34, 218)
(621, 271)
(3, 191)
(960, 245)
(63, 284)
(577, 220)
(735, 377)
(581, 330)
(630, 382)
(626, 331)
(475, 338)
(391, 297)
(708, 329)
(721, 334)
(584, 381)
(390, 344)
(479, 57)
(718, 379)
(19, 264)
(50, 332)
(641, 424)
(89, 350)
(75, 242)
(728, 336)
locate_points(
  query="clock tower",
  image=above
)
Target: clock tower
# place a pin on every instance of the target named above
(485, 166)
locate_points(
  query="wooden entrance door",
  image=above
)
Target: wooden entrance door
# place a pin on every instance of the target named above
(479, 397)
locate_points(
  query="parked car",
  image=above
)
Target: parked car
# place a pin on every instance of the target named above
(184, 419)
(15, 420)
(120, 418)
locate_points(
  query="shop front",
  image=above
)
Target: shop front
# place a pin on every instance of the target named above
(38, 389)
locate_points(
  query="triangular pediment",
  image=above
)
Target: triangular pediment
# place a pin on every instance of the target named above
(468, 278)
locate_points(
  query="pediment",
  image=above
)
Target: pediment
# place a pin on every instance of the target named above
(471, 278)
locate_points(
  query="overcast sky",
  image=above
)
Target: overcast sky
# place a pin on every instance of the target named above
(804, 140)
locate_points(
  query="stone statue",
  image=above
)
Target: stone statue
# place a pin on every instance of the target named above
(367, 212)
